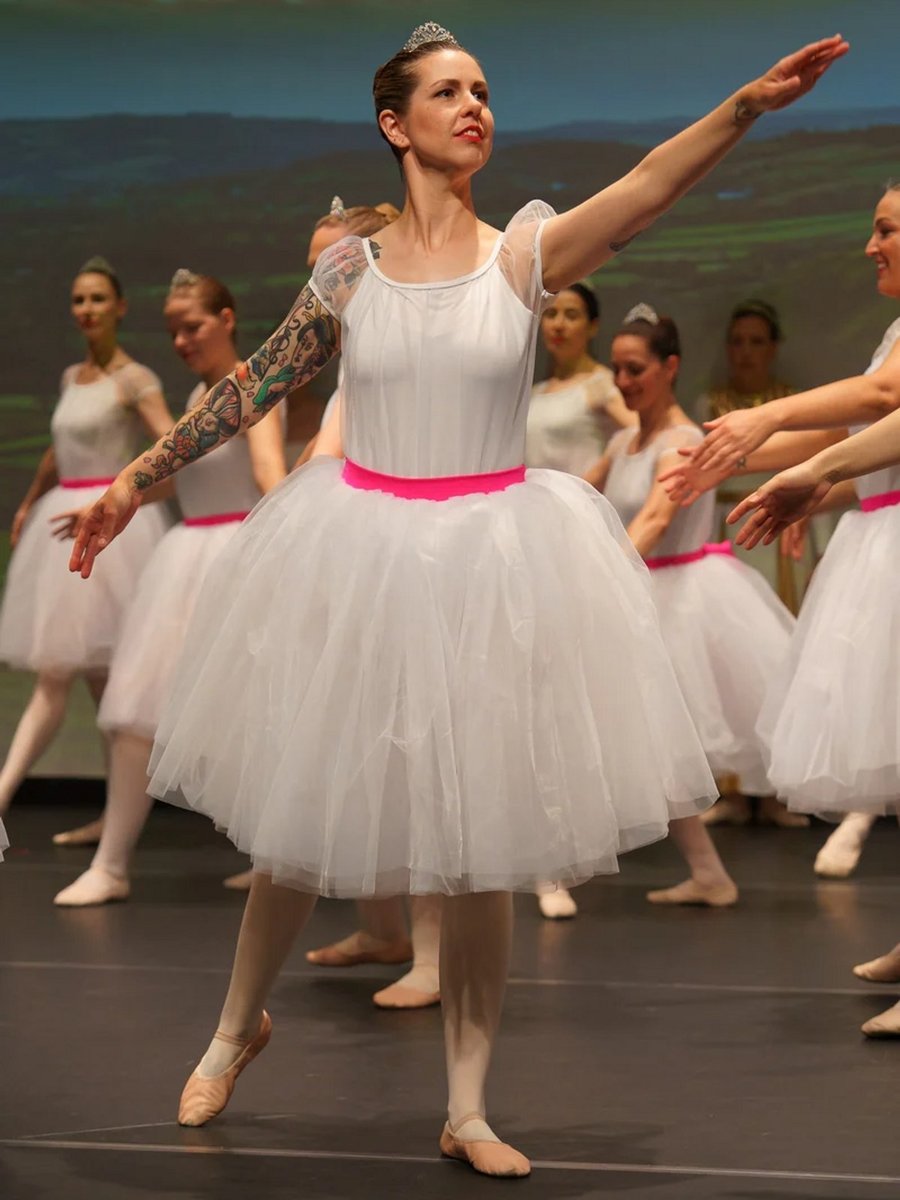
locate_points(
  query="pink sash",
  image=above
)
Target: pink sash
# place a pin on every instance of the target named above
(441, 487)
(85, 483)
(885, 500)
(678, 560)
(215, 519)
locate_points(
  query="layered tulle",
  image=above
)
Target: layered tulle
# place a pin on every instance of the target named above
(155, 625)
(52, 620)
(831, 720)
(381, 695)
(727, 634)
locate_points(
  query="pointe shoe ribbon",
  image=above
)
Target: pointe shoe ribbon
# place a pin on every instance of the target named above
(205, 1097)
(486, 1157)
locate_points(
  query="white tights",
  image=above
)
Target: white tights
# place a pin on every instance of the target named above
(38, 726)
(474, 963)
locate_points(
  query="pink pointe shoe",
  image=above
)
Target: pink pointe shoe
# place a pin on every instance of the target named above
(205, 1097)
(484, 1156)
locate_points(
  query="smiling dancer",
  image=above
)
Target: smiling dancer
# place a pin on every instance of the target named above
(108, 405)
(446, 663)
(215, 495)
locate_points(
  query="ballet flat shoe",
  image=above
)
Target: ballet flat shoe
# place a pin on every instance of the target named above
(204, 1098)
(240, 882)
(487, 1158)
(84, 835)
(397, 995)
(864, 971)
(723, 895)
(877, 1027)
(393, 954)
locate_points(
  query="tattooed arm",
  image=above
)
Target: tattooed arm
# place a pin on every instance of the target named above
(577, 242)
(300, 347)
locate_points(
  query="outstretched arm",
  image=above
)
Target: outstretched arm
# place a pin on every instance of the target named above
(45, 477)
(304, 342)
(577, 242)
(862, 399)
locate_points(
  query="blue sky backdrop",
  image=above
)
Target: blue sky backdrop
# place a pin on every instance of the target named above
(588, 59)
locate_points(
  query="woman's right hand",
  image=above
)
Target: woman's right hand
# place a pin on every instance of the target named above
(787, 497)
(18, 523)
(102, 522)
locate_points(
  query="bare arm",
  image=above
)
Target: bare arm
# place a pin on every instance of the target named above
(45, 478)
(651, 523)
(329, 440)
(597, 474)
(862, 399)
(577, 242)
(266, 444)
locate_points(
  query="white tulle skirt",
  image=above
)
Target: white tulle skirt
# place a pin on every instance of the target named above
(52, 620)
(832, 718)
(155, 625)
(728, 635)
(380, 695)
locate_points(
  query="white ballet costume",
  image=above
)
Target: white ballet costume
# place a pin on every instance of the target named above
(831, 720)
(568, 428)
(52, 620)
(214, 494)
(382, 693)
(725, 629)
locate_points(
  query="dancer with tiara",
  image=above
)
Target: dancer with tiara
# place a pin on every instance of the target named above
(453, 680)
(724, 627)
(572, 415)
(108, 405)
(827, 754)
(214, 495)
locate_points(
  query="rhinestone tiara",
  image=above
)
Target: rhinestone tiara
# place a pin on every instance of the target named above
(641, 312)
(429, 32)
(183, 278)
(337, 209)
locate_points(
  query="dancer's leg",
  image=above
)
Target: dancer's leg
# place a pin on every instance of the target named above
(839, 856)
(127, 809)
(36, 729)
(709, 883)
(475, 948)
(89, 835)
(382, 938)
(420, 986)
(273, 918)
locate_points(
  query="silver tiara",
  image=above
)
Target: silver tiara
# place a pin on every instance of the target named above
(183, 278)
(429, 32)
(337, 209)
(641, 312)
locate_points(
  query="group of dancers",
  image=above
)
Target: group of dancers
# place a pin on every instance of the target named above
(411, 666)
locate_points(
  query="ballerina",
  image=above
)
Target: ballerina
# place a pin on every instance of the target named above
(426, 634)
(108, 404)
(725, 629)
(214, 496)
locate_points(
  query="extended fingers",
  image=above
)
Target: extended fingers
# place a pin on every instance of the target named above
(743, 507)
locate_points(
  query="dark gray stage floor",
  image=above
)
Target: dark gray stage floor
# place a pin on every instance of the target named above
(674, 1055)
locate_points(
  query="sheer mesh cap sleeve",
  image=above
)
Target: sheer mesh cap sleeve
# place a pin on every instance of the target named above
(618, 444)
(337, 273)
(670, 441)
(520, 255)
(137, 381)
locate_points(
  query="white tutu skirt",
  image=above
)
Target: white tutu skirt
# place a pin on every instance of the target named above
(382, 696)
(52, 620)
(831, 720)
(155, 625)
(728, 634)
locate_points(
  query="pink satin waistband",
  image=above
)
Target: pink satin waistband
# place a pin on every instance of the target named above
(85, 483)
(678, 560)
(885, 500)
(216, 519)
(441, 487)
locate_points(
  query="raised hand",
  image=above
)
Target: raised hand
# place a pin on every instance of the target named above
(102, 522)
(687, 482)
(786, 498)
(790, 78)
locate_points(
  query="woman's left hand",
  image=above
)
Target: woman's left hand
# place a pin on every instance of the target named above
(730, 439)
(687, 482)
(66, 524)
(785, 498)
(790, 78)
